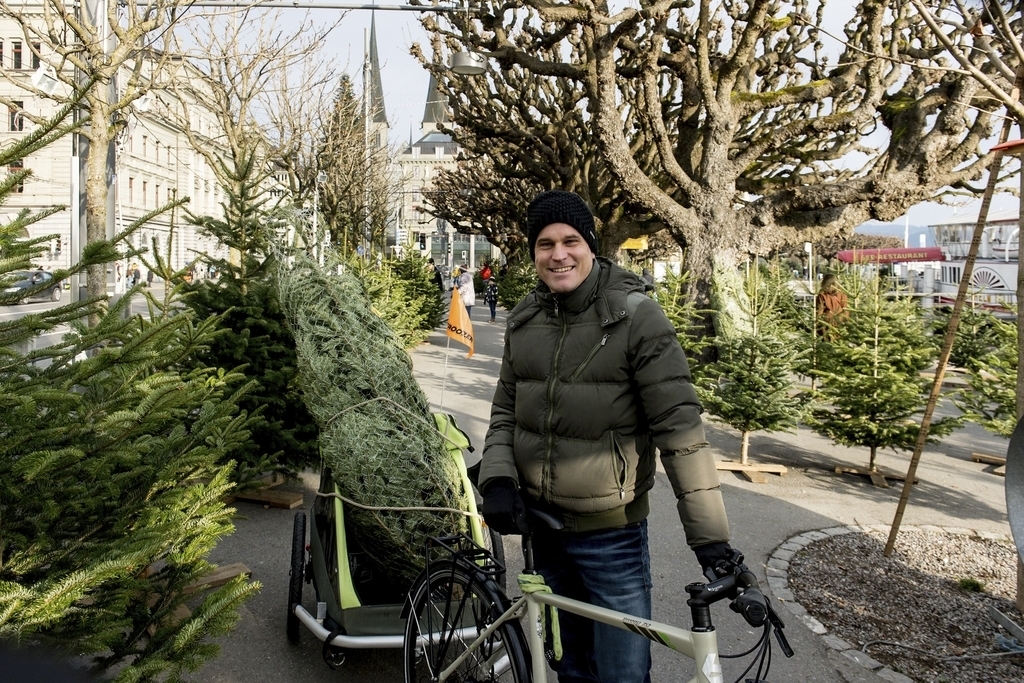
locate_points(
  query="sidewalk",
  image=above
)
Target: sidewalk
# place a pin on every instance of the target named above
(953, 491)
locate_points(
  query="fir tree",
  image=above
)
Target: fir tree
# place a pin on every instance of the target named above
(518, 280)
(113, 469)
(750, 386)
(404, 296)
(253, 341)
(872, 389)
(671, 292)
(991, 399)
(976, 335)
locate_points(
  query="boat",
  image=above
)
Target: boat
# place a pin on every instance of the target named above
(994, 279)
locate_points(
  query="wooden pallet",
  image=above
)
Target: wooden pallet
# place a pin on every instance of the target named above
(219, 576)
(754, 472)
(877, 476)
(988, 459)
(266, 495)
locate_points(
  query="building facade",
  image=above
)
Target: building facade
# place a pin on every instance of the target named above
(152, 163)
(420, 162)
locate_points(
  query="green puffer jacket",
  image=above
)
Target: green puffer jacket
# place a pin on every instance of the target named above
(591, 383)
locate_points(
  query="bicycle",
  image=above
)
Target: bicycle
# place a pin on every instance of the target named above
(460, 625)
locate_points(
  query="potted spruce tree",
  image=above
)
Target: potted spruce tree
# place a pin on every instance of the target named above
(750, 386)
(871, 388)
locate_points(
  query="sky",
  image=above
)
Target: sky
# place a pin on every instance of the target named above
(405, 87)
(405, 81)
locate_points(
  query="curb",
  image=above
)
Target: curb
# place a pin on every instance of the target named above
(777, 570)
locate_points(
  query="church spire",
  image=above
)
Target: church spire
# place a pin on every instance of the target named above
(434, 112)
(378, 114)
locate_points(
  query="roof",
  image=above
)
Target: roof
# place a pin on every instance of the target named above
(429, 143)
(1003, 216)
(434, 111)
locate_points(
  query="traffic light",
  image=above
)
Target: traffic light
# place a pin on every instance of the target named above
(423, 241)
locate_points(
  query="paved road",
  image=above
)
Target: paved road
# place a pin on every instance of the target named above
(953, 492)
(138, 306)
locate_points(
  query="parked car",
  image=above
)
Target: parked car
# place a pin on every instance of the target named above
(30, 279)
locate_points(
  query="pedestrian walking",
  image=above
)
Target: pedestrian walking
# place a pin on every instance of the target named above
(149, 278)
(491, 296)
(830, 307)
(584, 448)
(435, 275)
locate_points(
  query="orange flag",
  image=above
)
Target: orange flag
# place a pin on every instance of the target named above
(459, 327)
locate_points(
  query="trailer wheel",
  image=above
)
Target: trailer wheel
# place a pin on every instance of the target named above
(295, 576)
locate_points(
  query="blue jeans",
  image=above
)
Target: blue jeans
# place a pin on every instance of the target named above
(612, 569)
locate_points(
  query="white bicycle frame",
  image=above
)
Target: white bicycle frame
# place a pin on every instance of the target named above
(700, 646)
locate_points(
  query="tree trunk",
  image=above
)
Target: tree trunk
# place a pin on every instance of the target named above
(871, 463)
(96, 192)
(744, 447)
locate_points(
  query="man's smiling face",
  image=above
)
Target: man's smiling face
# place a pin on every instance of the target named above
(562, 258)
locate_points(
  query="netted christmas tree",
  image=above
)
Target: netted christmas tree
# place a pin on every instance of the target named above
(377, 434)
(113, 470)
(872, 389)
(750, 386)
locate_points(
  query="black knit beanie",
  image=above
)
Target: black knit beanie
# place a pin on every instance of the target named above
(557, 206)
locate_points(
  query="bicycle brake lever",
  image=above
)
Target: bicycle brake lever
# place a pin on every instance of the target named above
(777, 627)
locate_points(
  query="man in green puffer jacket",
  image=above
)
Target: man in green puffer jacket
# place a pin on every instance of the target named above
(592, 382)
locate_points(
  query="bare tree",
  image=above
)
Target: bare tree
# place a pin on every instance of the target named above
(113, 50)
(244, 72)
(730, 123)
(531, 128)
(478, 200)
(359, 197)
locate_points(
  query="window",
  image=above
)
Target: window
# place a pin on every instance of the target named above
(131, 190)
(17, 120)
(144, 186)
(15, 166)
(15, 54)
(1, 53)
(35, 55)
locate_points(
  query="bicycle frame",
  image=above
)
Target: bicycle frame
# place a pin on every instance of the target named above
(700, 646)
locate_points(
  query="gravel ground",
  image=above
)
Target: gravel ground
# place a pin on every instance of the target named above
(915, 599)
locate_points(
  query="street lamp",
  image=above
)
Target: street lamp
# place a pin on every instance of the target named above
(321, 177)
(468, 63)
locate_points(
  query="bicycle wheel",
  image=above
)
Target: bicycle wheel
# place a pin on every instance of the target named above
(295, 575)
(444, 621)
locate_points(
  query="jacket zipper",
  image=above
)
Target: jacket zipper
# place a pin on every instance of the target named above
(623, 466)
(590, 357)
(551, 403)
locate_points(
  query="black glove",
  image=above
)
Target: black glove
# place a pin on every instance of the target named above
(714, 557)
(503, 507)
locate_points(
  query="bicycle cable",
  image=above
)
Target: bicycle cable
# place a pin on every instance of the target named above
(764, 645)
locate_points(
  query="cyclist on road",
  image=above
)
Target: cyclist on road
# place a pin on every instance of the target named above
(592, 382)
